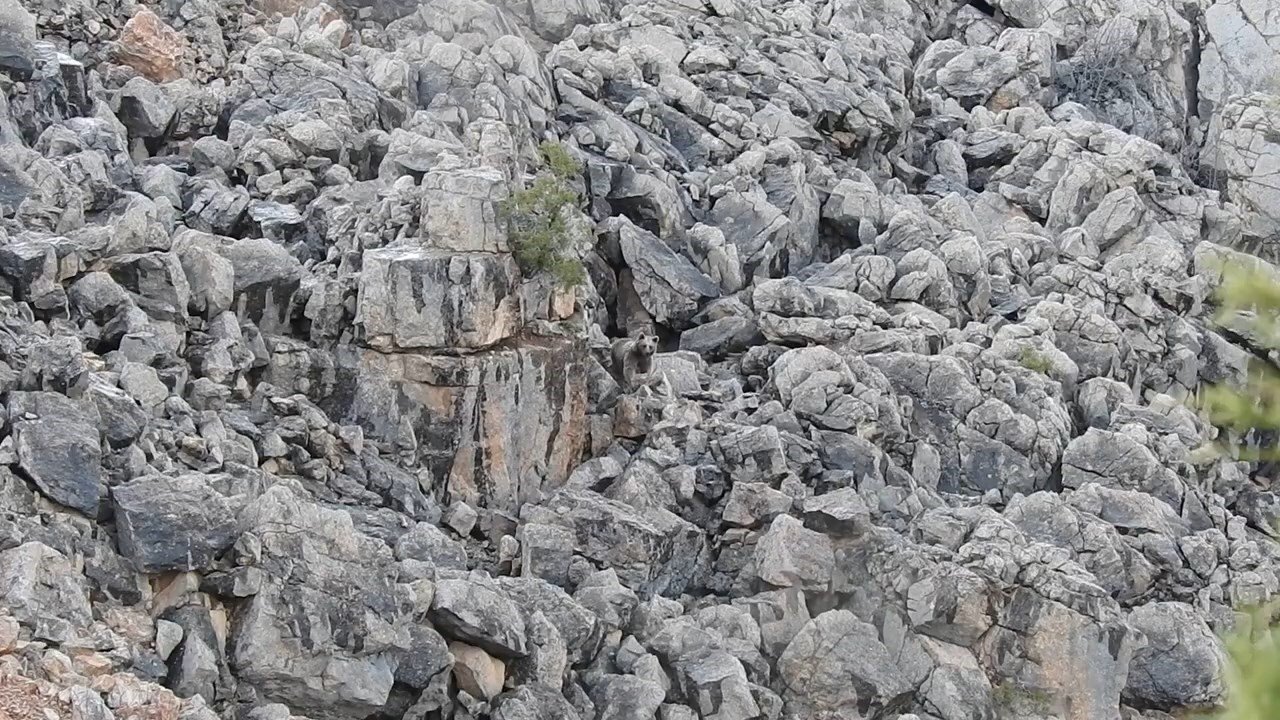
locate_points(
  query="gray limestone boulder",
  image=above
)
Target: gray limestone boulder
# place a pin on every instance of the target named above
(145, 109)
(476, 611)
(42, 589)
(791, 555)
(427, 543)
(837, 664)
(415, 298)
(1183, 664)
(155, 281)
(652, 550)
(266, 280)
(1246, 152)
(57, 446)
(488, 434)
(1117, 460)
(533, 702)
(671, 289)
(317, 566)
(715, 684)
(173, 523)
(627, 697)
(976, 73)
(461, 210)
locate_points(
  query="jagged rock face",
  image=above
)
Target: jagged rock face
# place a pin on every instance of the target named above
(294, 425)
(475, 423)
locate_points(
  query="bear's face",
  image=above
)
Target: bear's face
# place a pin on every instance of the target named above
(647, 344)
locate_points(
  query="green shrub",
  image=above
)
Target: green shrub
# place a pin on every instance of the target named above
(1253, 676)
(1013, 701)
(1249, 302)
(1035, 361)
(537, 219)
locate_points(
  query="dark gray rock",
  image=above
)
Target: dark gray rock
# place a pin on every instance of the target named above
(42, 589)
(266, 280)
(315, 565)
(718, 338)
(579, 627)
(173, 523)
(57, 446)
(791, 555)
(476, 611)
(156, 283)
(426, 657)
(671, 289)
(145, 109)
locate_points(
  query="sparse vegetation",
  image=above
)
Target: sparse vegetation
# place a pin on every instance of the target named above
(1249, 300)
(1105, 77)
(538, 219)
(1249, 303)
(1253, 677)
(1015, 700)
(1035, 361)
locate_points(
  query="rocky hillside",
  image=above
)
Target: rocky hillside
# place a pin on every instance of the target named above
(297, 424)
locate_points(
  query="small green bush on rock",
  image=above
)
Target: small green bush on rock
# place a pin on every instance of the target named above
(1034, 361)
(538, 219)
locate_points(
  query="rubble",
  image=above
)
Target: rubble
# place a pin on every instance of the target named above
(295, 426)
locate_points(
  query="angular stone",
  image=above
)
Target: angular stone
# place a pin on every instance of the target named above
(210, 276)
(173, 523)
(155, 281)
(546, 552)
(427, 543)
(781, 614)
(476, 671)
(671, 289)
(145, 109)
(627, 697)
(58, 448)
(1183, 664)
(151, 47)
(842, 512)
(791, 555)
(534, 702)
(267, 278)
(426, 657)
(653, 551)
(143, 384)
(317, 566)
(415, 298)
(1246, 151)
(602, 594)
(838, 662)
(720, 337)
(716, 683)
(1063, 653)
(577, 626)
(751, 504)
(477, 612)
(1115, 460)
(461, 209)
(977, 73)
(42, 589)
